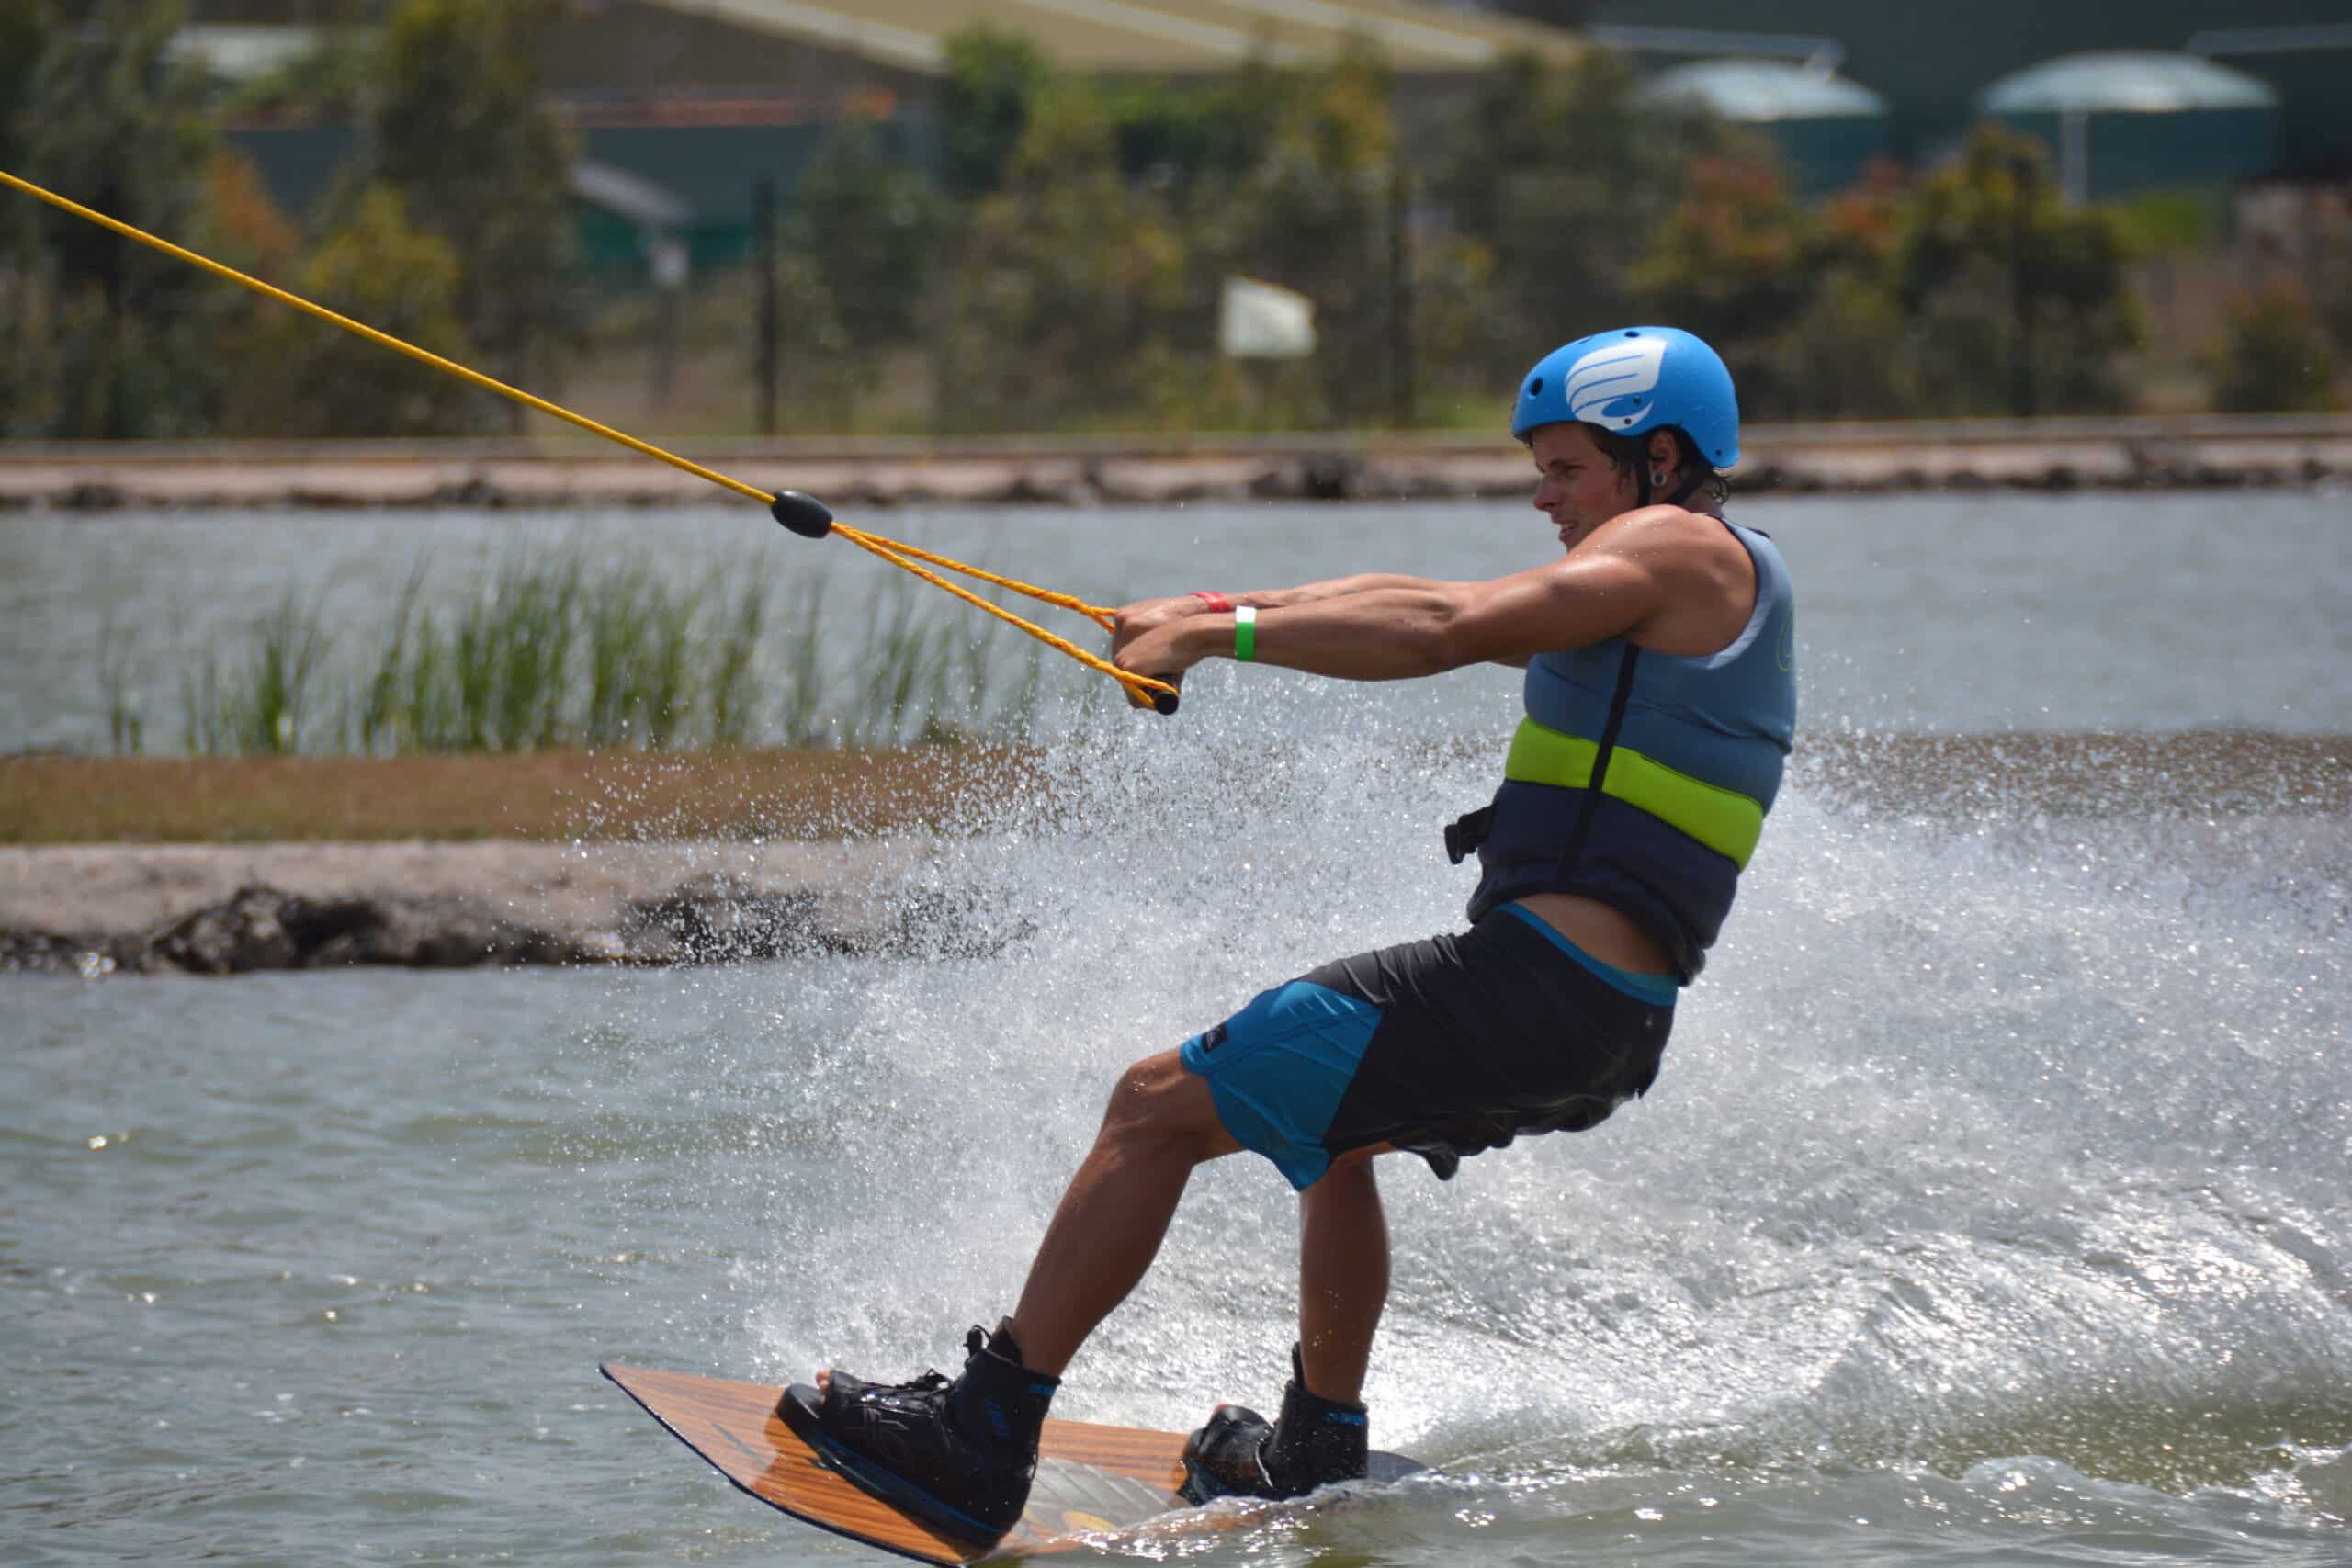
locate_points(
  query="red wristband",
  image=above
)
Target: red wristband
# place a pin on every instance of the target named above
(1218, 602)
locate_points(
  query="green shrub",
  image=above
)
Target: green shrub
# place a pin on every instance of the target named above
(2275, 355)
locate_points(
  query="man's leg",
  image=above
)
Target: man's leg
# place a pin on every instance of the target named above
(1162, 1122)
(1342, 1277)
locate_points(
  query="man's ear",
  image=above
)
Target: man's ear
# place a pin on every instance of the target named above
(1664, 456)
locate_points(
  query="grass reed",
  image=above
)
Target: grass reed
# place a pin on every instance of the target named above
(567, 651)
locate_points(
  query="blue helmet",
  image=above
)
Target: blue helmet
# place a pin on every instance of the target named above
(1635, 380)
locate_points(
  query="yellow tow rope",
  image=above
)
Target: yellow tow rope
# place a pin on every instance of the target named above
(1142, 690)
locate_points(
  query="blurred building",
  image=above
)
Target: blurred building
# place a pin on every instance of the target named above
(1825, 126)
(690, 107)
(702, 102)
(1934, 64)
(2127, 121)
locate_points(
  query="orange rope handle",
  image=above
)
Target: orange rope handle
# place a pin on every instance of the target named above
(890, 550)
(1134, 683)
(1100, 615)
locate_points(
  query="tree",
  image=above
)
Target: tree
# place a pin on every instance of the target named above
(862, 239)
(2019, 304)
(1564, 177)
(1064, 292)
(26, 26)
(995, 80)
(456, 127)
(1313, 214)
(308, 378)
(109, 338)
(2275, 355)
(1844, 353)
(1729, 265)
(1192, 142)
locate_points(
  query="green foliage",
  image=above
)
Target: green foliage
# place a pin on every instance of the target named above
(117, 669)
(2330, 272)
(2173, 220)
(331, 82)
(301, 378)
(108, 338)
(569, 651)
(1068, 277)
(25, 28)
(1564, 176)
(460, 242)
(2275, 355)
(995, 79)
(860, 247)
(454, 126)
(1313, 214)
(2022, 304)
(1068, 286)
(1728, 264)
(260, 707)
(1187, 138)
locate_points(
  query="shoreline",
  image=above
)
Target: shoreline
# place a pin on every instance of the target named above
(100, 909)
(2170, 452)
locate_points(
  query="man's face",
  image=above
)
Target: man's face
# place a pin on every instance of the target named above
(1577, 486)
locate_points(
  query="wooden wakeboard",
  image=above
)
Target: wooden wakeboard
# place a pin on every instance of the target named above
(1091, 1479)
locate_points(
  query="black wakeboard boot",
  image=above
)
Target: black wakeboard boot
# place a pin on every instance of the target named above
(957, 1453)
(1315, 1442)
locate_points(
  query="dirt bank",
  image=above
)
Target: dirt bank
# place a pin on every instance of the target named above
(209, 909)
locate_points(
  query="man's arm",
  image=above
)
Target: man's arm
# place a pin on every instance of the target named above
(1420, 628)
(1413, 627)
(1131, 621)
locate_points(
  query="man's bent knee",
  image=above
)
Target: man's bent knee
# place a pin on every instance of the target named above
(1157, 1101)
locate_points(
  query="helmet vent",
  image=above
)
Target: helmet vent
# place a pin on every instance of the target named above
(1535, 388)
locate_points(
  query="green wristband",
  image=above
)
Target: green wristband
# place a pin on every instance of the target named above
(1244, 632)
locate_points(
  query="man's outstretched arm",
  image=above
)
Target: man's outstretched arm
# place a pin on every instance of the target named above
(1415, 627)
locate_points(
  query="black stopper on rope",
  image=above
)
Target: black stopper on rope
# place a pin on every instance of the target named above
(803, 515)
(1163, 702)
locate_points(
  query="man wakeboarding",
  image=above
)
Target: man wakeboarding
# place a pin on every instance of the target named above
(1660, 704)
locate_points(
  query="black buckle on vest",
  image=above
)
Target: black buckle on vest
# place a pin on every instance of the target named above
(1465, 834)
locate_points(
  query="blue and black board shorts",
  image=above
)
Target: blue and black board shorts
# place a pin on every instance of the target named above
(1445, 1048)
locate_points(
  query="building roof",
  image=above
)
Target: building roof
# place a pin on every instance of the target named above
(1153, 37)
(1760, 91)
(2126, 81)
(236, 51)
(633, 196)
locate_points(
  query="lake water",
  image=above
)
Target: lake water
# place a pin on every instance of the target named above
(1991, 1207)
(1941, 613)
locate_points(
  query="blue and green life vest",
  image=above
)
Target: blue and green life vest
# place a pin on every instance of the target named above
(1640, 778)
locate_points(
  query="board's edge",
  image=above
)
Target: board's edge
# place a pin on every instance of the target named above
(608, 1369)
(995, 1551)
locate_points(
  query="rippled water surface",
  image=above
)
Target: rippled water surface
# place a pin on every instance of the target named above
(1991, 1208)
(1944, 613)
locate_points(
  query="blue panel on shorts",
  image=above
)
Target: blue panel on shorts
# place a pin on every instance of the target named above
(1277, 1070)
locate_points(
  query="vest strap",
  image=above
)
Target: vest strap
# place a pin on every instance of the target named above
(1619, 702)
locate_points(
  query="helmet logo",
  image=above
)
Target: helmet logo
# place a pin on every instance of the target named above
(1607, 385)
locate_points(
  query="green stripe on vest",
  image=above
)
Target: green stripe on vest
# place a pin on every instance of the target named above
(1723, 819)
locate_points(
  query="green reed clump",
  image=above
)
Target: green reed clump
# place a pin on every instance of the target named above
(565, 651)
(513, 649)
(734, 663)
(117, 685)
(258, 706)
(802, 720)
